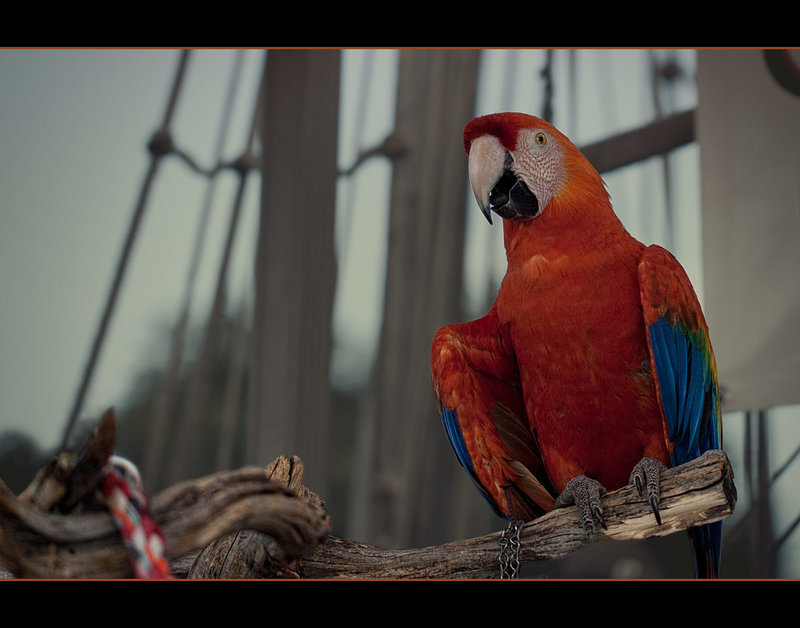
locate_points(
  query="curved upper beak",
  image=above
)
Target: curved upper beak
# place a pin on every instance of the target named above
(486, 165)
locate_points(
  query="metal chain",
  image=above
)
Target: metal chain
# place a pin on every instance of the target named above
(509, 550)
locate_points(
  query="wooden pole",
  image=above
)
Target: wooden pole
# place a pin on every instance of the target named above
(435, 99)
(295, 268)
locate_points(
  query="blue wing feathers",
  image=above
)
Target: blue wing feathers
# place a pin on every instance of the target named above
(665, 372)
(681, 386)
(684, 382)
(689, 398)
(453, 430)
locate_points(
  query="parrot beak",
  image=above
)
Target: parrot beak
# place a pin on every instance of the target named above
(486, 212)
(495, 185)
(486, 166)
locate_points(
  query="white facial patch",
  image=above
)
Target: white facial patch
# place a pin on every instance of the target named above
(539, 161)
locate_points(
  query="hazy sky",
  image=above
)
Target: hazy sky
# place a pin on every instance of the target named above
(75, 125)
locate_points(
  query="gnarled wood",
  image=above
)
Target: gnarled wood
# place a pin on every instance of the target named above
(59, 526)
(191, 515)
(250, 553)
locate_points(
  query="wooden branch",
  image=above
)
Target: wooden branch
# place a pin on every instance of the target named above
(255, 554)
(698, 492)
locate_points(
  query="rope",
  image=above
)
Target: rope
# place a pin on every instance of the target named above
(346, 207)
(122, 492)
(658, 74)
(546, 74)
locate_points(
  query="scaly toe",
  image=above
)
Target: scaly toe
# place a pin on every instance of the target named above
(584, 493)
(646, 475)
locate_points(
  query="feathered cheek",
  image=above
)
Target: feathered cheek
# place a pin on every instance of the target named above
(545, 179)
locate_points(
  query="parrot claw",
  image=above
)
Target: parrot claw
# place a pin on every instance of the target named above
(584, 492)
(646, 475)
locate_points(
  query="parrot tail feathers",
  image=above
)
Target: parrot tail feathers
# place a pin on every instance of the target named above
(518, 440)
(707, 549)
(530, 491)
(529, 496)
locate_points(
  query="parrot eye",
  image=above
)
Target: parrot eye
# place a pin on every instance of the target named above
(541, 139)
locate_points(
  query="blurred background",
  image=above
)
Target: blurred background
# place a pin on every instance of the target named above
(246, 253)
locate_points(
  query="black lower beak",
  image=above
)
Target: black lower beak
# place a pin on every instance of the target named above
(486, 211)
(511, 199)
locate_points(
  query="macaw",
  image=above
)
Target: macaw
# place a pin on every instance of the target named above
(593, 368)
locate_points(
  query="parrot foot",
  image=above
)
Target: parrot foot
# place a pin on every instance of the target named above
(647, 475)
(584, 492)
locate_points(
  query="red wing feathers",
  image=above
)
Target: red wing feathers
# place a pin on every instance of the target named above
(478, 394)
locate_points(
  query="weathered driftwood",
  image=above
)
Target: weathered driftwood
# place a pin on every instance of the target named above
(191, 515)
(42, 535)
(250, 553)
(699, 492)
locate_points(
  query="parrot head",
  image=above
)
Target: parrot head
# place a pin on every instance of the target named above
(519, 165)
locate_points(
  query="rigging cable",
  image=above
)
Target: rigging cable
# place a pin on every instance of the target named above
(158, 422)
(198, 387)
(360, 116)
(658, 76)
(159, 146)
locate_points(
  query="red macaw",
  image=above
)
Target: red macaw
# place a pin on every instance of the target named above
(593, 368)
